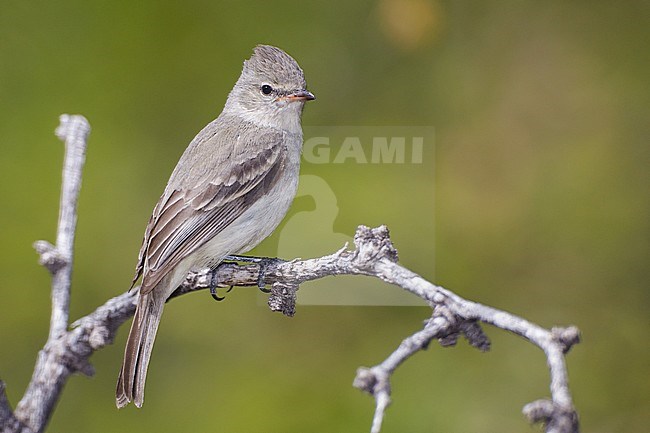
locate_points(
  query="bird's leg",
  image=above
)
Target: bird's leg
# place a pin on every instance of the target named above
(263, 262)
(246, 259)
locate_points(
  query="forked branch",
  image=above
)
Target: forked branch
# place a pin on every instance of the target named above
(68, 350)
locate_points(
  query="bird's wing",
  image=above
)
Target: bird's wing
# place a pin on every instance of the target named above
(185, 218)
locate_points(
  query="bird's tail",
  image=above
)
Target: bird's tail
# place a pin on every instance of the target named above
(130, 383)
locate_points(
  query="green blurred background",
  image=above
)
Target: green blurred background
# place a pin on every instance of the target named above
(536, 202)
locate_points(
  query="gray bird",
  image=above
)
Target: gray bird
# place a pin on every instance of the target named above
(230, 190)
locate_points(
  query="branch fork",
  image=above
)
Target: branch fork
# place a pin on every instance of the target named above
(68, 350)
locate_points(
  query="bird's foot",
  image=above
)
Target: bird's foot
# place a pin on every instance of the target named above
(213, 287)
(263, 262)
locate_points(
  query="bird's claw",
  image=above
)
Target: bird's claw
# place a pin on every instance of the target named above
(213, 293)
(213, 288)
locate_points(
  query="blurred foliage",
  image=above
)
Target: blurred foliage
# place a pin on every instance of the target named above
(541, 203)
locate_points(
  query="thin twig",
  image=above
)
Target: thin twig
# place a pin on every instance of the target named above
(73, 131)
(54, 364)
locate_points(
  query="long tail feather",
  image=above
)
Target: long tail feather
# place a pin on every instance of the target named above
(130, 383)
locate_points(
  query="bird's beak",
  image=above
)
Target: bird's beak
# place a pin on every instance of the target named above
(300, 95)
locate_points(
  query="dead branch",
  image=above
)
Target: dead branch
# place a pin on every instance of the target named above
(68, 350)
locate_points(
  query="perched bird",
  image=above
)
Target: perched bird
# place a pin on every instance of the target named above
(229, 191)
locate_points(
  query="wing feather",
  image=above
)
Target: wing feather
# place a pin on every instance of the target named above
(190, 214)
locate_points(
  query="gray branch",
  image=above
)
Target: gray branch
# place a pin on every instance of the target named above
(452, 317)
(52, 365)
(73, 131)
(68, 350)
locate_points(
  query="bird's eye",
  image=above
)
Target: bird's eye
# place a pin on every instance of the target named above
(266, 89)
